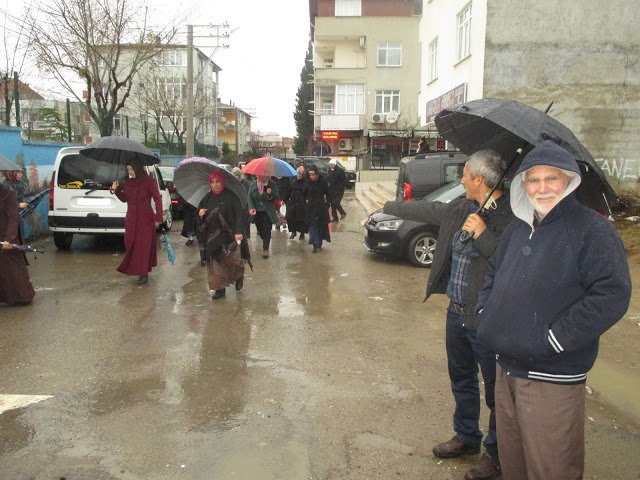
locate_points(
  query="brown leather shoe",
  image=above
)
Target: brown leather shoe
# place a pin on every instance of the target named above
(485, 469)
(454, 448)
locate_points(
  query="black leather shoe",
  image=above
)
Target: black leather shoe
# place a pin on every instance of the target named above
(301, 236)
(189, 242)
(342, 215)
(485, 469)
(203, 263)
(292, 236)
(239, 283)
(454, 448)
(142, 279)
(218, 294)
(315, 250)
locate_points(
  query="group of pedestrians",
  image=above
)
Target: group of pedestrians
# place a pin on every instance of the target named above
(542, 278)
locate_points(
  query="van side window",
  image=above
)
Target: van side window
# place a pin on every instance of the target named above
(453, 172)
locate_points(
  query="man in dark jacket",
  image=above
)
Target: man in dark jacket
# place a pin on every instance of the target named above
(337, 181)
(458, 270)
(558, 280)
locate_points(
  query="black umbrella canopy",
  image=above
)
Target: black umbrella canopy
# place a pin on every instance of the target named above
(119, 150)
(506, 126)
(191, 178)
(6, 164)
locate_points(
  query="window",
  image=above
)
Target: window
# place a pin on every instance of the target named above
(172, 88)
(433, 59)
(389, 54)
(350, 98)
(328, 63)
(387, 101)
(464, 32)
(348, 8)
(172, 57)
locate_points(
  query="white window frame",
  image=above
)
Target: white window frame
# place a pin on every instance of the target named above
(172, 88)
(389, 54)
(349, 99)
(348, 8)
(433, 60)
(387, 101)
(464, 32)
(172, 58)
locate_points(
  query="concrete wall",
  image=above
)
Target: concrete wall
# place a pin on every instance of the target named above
(585, 57)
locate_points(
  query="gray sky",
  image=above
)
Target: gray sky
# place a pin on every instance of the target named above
(260, 69)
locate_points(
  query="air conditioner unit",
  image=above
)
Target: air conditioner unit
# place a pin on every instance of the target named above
(345, 144)
(377, 118)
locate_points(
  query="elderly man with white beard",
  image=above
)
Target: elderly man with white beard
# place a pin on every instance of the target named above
(557, 281)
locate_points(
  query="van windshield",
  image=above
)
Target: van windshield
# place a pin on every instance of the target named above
(80, 172)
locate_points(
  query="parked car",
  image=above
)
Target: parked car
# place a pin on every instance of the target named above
(396, 237)
(323, 167)
(421, 174)
(80, 202)
(177, 202)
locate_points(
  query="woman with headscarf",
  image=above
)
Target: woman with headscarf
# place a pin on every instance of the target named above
(13, 181)
(316, 196)
(294, 201)
(141, 221)
(263, 193)
(15, 286)
(220, 230)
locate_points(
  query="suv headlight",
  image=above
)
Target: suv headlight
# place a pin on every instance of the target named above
(389, 225)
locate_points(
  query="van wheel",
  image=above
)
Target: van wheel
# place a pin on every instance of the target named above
(421, 248)
(168, 223)
(62, 240)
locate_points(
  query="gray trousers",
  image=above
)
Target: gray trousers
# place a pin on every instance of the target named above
(540, 428)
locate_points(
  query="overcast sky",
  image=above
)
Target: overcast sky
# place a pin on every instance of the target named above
(260, 69)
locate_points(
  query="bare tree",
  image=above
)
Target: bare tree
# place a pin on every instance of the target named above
(15, 41)
(103, 42)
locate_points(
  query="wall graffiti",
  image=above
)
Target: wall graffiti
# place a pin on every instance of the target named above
(623, 169)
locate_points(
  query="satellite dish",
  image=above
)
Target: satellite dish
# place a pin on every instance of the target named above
(392, 117)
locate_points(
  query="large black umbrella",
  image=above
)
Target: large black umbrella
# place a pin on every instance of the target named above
(6, 165)
(191, 179)
(119, 150)
(506, 126)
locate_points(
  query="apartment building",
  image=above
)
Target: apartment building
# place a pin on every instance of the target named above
(366, 79)
(234, 128)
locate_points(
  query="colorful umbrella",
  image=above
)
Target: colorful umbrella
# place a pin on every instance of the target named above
(269, 167)
(191, 179)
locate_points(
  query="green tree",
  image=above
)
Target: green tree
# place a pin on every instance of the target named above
(302, 116)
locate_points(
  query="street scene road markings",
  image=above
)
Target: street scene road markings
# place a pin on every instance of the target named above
(9, 402)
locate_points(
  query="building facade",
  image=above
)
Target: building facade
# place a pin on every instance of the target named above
(366, 60)
(234, 129)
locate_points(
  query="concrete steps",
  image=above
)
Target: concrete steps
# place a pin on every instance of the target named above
(372, 194)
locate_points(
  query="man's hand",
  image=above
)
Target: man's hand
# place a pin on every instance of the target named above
(475, 225)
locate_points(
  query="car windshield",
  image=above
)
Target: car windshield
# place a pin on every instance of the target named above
(445, 194)
(167, 173)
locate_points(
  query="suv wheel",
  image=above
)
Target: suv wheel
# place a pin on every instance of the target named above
(62, 240)
(421, 248)
(168, 223)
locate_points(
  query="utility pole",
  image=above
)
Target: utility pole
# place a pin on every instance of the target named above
(190, 139)
(217, 35)
(16, 97)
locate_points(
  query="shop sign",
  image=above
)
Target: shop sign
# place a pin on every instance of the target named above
(452, 98)
(329, 135)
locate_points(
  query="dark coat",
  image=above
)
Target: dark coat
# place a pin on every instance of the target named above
(15, 286)
(139, 227)
(337, 181)
(316, 198)
(295, 201)
(231, 211)
(450, 217)
(552, 290)
(263, 202)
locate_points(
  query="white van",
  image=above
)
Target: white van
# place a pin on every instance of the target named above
(80, 202)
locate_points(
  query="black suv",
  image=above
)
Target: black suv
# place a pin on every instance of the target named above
(323, 167)
(422, 174)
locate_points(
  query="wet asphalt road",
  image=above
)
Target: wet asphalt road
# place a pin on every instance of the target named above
(325, 366)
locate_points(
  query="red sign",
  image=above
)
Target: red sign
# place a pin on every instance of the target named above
(329, 135)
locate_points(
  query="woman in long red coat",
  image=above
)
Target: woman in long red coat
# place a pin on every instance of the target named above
(141, 222)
